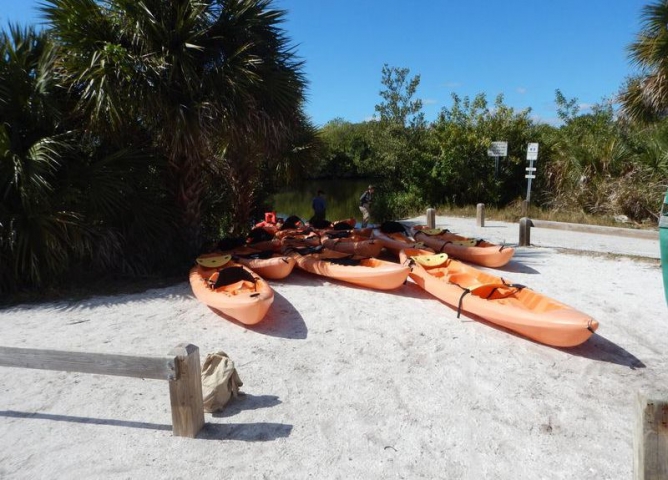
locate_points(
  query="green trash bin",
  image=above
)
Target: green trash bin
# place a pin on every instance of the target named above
(663, 240)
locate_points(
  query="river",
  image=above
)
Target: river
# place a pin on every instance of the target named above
(342, 197)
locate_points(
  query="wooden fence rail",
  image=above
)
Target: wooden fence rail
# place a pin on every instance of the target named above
(180, 367)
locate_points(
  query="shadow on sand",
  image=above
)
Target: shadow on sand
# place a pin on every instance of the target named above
(282, 320)
(595, 348)
(247, 401)
(522, 256)
(87, 420)
(245, 432)
(249, 432)
(603, 350)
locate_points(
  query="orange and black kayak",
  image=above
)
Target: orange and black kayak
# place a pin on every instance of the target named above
(267, 264)
(496, 300)
(471, 250)
(364, 272)
(231, 288)
(395, 242)
(351, 242)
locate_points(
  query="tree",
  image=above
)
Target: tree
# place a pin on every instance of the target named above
(400, 126)
(399, 107)
(463, 170)
(37, 234)
(211, 81)
(69, 200)
(567, 110)
(347, 149)
(645, 96)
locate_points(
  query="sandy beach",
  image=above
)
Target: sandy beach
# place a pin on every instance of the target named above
(345, 382)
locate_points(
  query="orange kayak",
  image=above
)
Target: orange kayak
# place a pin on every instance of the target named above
(395, 242)
(364, 272)
(267, 264)
(299, 240)
(234, 290)
(351, 243)
(495, 300)
(262, 238)
(470, 250)
(306, 232)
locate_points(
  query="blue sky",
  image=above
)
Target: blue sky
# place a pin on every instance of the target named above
(523, 49)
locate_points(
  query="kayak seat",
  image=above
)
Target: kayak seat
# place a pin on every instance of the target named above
(292, 222)
(259, 234)
(488, 291)
(263, 254)
(392, 227)
(230, 276)
(344, 261)
(237, 287)
(338, 234)
(320, 224)
(342, 226)
(494, 291)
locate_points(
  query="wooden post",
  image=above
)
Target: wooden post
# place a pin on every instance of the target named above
(480, 215)
(525, 232)
(185, 392)
(650, 440)
(431, 218)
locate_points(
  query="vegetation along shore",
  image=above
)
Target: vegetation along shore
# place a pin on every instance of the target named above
(122, 154)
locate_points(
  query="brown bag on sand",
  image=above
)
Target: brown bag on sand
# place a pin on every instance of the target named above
(220, 381)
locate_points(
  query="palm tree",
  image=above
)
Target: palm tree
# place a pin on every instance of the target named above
(203, 77)
(645, 96)
(35, 234)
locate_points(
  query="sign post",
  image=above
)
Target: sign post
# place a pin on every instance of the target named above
(532, 155)
(496, 150)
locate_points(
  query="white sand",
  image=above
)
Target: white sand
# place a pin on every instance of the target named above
(342, 382)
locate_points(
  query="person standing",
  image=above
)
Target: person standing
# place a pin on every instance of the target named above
(365, 204)
(319, 207)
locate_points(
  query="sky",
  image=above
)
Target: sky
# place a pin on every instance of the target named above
(522, 49)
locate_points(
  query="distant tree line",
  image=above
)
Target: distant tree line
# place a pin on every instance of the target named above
(131, 133)
(602, 162)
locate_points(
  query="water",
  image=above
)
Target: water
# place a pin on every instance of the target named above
(342, 197)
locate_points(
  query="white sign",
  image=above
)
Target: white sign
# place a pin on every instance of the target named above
(529, 176)
(532, 151)
(530, 169)
(498, 149)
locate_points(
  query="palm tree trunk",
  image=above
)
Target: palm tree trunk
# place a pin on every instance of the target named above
(187, 187)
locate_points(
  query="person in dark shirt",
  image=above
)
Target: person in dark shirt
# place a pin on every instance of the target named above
(319, 207)
(365, 204)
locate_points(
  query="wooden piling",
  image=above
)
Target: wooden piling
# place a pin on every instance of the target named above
(480, 215)
(650, 440)
(185, 392)
(525, 232)
(431, 218)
